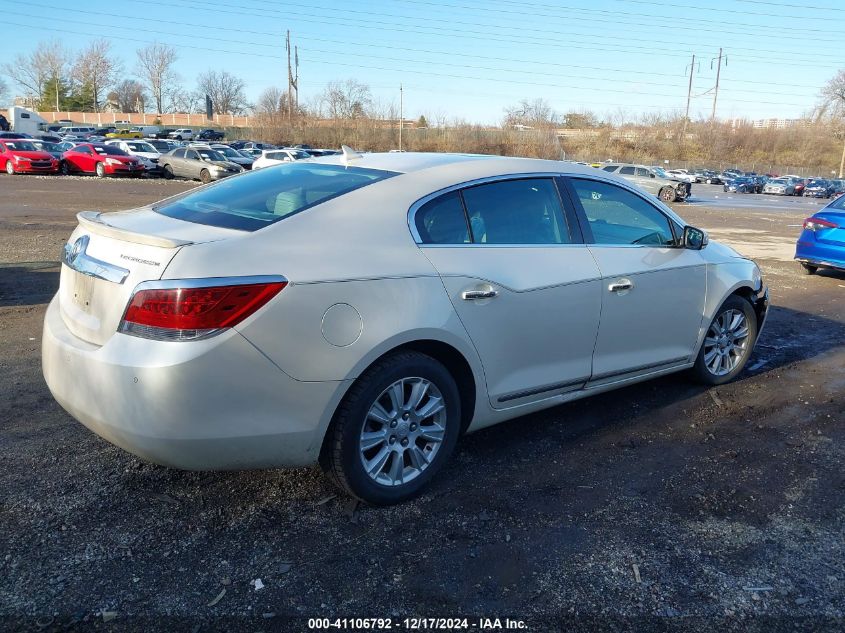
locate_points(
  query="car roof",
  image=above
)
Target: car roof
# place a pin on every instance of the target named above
(408, 162)
(442, 170)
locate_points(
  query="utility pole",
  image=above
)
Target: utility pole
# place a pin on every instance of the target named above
(718, 73)
(296, 79)
(689, 96)
(402, 116)
(842, 160)
(293, 80)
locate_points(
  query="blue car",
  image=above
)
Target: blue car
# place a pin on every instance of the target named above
(822, 242)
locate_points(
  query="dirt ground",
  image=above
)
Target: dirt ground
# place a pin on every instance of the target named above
(663, 506)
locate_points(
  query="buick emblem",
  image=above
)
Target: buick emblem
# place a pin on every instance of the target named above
(73, 252)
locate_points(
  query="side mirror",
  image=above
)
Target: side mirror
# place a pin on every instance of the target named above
(695, 239)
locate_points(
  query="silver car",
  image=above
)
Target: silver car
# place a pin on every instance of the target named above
(364, 311)
(652, 179)
(780, 187)
(197, 163)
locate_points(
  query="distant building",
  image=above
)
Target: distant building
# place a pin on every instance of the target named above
(779, 124)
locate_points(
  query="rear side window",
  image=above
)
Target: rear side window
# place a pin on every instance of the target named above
(610, 168)
(516, 212)
(442, 221)
(259, 198)
(628, 171)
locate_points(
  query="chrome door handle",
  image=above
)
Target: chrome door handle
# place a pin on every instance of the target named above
(621, 285)
(472, 295)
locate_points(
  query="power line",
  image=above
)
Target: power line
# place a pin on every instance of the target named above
(331, 52)
(487, 37)
(792, 6)
(721, 32)
(698, 7)
(487, 9)
(401, 48)
(404, 69)
(490, 6)
(520, 71)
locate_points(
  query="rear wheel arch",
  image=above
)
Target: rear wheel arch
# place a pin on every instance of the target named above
(447, 355)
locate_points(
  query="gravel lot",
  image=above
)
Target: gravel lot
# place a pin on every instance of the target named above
(661, 506)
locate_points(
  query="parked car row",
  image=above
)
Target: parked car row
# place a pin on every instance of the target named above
(133, 156)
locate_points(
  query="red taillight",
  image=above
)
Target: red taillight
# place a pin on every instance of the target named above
(185, 313)
(818, 224)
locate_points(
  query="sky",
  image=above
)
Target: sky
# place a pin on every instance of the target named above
(459, 59)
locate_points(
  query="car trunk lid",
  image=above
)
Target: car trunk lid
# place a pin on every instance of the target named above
(108, 255)
(832, 236)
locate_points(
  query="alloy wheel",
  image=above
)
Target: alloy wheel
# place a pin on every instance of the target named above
(726, 343)
(403, 431)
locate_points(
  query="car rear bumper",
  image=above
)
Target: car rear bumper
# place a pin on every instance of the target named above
(217, 404)
(820, 255)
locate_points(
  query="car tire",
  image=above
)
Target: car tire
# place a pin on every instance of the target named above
(167, 172)
(667, 194)
(809, 269)
(10, 168)
(178, 138)
(100, 170)
(734, 316)
(64, 168)
(708, 181)
(205, 177)
(399, 448)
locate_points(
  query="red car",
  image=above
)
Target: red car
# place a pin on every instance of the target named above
(22, 157)
(103, 160)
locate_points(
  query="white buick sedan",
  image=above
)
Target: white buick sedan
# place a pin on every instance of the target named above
(363, 311)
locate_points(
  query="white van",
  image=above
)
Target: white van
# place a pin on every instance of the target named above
(147, 130)
(79, 132)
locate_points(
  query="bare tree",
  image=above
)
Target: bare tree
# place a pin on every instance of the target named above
(48, 62)
(4, 91)
(129, 96)
(188, 101)
(97, 68)
(580, 120)
(534, 114)
(272, 101)
(349, 99)
(833, 102)
(155, 66)
(226, 91)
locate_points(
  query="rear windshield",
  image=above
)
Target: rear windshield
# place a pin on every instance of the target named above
(259, 198)
(838, 203)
